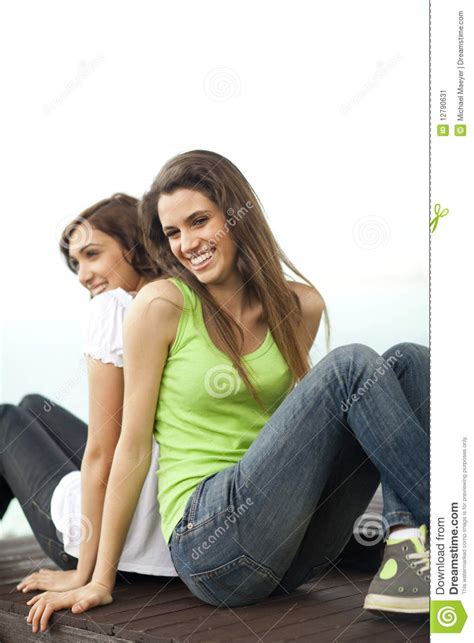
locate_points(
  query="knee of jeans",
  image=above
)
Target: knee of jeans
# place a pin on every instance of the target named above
(360, 354)
(7, 410)
(407, 350)
(33, 402)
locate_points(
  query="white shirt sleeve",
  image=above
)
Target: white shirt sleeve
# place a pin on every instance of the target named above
(103, 336)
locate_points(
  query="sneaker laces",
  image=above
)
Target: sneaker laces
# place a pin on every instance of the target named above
(421, 559)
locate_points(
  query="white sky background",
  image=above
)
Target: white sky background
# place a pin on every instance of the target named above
(323, 106)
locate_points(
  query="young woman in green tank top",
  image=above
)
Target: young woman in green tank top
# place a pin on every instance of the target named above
(265, 462)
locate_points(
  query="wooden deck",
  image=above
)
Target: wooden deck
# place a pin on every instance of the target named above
(149, 609)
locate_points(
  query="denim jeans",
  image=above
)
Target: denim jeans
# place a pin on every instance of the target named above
(286, 510)
(40, 442)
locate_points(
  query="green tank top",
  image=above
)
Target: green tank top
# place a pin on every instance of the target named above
(205, 418)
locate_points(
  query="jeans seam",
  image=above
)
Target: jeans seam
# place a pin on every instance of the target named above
(194, 502)
(45, 513)
(257, 569)
(195, 527)
(399, 514)
(399, 517)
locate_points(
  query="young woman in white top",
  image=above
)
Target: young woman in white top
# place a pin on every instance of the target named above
(64, 504)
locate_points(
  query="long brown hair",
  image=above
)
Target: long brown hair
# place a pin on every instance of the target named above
(259, 257)
(116, 216)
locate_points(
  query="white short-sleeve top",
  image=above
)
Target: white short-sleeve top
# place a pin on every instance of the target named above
(145, 550)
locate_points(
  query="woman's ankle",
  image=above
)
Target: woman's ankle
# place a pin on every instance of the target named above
(403, 532)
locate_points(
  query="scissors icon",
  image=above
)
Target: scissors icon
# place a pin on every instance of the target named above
(439, 214)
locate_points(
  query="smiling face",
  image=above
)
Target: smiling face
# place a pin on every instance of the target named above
(198, 236)
(99, 261)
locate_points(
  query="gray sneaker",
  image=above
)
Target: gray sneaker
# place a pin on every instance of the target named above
(402, 583)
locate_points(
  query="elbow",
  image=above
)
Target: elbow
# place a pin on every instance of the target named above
(134, 451)
(98, 457)
(137, 452)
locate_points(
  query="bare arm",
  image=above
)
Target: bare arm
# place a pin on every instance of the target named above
(106, 388)
(312, 306)
(105, 415)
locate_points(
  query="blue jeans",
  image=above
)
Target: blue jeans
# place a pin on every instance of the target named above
(287, 508)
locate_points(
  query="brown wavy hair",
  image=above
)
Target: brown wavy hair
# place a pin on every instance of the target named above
(259, 257)
(116, 216)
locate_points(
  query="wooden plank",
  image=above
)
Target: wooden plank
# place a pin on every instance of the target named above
(65, 617)
(424, 635)
(102, 617)
(147, 608)
(24, 558)
(335, 577)
(310, 621)
(389, 631)
(285, 623)
(322, 624)
(13, 630)
(172, 604)
(94, 620)
(408, 626)
(166, 601)
(21, 543)
(374, 625)
(225, 624)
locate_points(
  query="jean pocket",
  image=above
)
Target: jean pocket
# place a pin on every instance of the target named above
(189, 510)
(242, 581)
(192, 517)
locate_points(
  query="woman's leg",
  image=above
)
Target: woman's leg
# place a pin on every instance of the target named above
(352, 483)
(402, 581)
(32, 463)
(68, 431)
(410, 363)
(243, 526)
